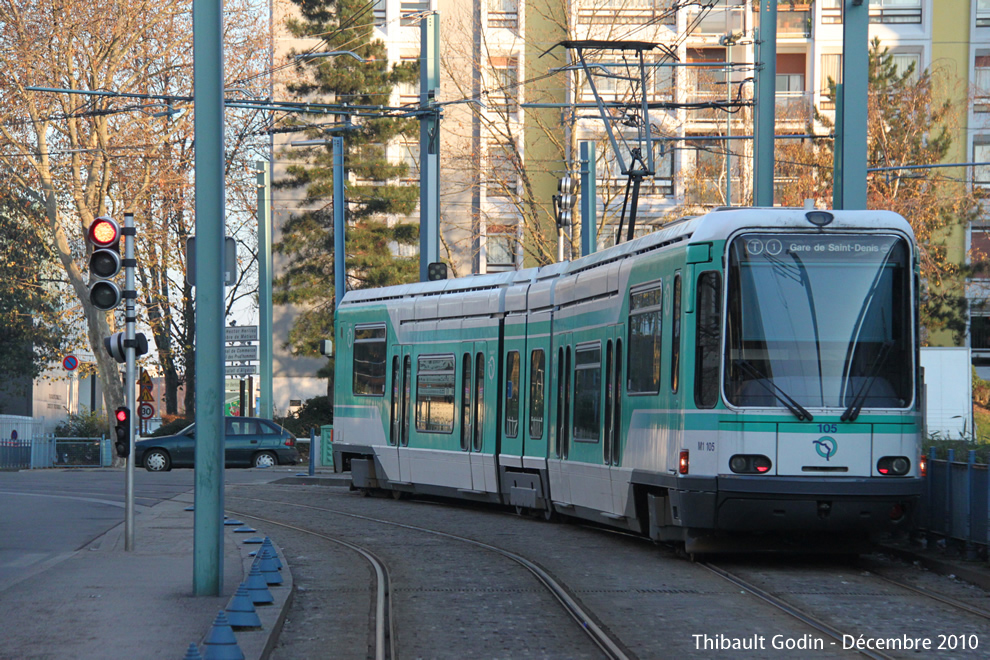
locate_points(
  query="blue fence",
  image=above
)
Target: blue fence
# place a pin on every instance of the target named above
(27, 453)
(957, 501)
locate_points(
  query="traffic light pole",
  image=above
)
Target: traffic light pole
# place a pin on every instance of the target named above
(130, 318)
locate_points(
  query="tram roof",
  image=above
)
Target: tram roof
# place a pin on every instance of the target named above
(715, 225)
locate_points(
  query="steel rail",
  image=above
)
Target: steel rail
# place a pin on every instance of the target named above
(787, 608)
(383, 607)
(571, 606)
(945, 600)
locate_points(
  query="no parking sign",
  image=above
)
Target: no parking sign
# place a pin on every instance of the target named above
(70, 362)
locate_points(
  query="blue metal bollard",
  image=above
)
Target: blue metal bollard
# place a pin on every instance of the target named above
(312, 451)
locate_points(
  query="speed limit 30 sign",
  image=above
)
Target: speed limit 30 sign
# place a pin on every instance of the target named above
(146, 411)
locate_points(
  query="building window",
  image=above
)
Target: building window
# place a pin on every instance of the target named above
(409, 156)
(645, 308)
(981, 80)
(502, 172)
(831, 12)
(503, 14)
(500, 245)
(979, 332)
(895, 11)
(368, 364)
(793, 19)
(379, 13)
(587, 393)
(626, 12)
(981, 154)
(979, 243)
(831, 74)
(904, 62)
(982, 13)
(435, 386)
(503, 91)
(411, 11)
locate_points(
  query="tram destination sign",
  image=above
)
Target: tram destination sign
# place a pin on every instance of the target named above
(241, 333)
(824, 247)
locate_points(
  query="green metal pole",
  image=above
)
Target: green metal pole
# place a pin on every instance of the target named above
(855, 82)
(339, 224)
(766, 98)
(210, 215)
(837, 149)
(265, 286)
(589, 199)
(429, 145)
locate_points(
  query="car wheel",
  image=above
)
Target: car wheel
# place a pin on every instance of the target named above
(265, 459)
(157, 460)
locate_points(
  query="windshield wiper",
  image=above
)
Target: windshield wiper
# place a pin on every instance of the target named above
(852, 412)
(772, 388)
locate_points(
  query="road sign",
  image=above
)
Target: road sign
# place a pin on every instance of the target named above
(241, 333)
(146, 411)
(242, 370)
(145, 395)
(145, 380)
(240, 353)
(70, 362)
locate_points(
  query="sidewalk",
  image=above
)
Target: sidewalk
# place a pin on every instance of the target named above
(102, 602)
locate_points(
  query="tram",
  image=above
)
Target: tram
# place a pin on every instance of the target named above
(748, 373)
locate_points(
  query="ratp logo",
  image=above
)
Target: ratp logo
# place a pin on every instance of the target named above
(826, 446)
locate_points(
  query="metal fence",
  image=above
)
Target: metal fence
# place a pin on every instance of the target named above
(957, 501)
(82, 452)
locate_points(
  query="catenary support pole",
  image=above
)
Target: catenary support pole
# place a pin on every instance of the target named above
(429, 145)
(265, 287)
(855, 83)
(766, 98)
(589, 198)
(130, 317)
(339, 222)
(210, 216)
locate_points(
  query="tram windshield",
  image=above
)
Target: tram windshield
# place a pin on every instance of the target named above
(819, 320)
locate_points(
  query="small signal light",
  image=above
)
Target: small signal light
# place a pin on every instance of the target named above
(104, 232)
(685, 462)
(923, 465)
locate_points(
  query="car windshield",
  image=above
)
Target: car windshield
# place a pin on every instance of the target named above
(188, 430)
(825, 319)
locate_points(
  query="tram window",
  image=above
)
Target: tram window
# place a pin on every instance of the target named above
(587, 393)
(617, 412)
(675, 336)
(479, 401)
(466, 421)
(708, 339)
(512, 394)
(645, 309)
(565, 439)
(537, 376)
(609, 403)
(369, 361)
(435, 385)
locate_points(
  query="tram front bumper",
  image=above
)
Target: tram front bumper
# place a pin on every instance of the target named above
(783, 504)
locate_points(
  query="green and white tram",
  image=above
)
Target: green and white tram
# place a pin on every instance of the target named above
(748, 372)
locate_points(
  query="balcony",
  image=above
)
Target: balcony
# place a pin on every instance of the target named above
(626, 12)
(506, 20)
(794, 107)
(793, 24)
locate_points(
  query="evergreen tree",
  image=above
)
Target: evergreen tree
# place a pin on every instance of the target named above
(32, 315)
(373, 193)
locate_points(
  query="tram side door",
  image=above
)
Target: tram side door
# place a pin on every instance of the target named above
(612, 432)
(483, 388)
(400, 390)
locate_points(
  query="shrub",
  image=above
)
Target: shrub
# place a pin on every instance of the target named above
(172, 424)
(83, 425)
(314, 413)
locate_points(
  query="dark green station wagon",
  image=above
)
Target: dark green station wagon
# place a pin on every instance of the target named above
(251, 442)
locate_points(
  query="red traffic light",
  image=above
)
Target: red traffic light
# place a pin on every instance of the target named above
(123, 414)
(104, 232)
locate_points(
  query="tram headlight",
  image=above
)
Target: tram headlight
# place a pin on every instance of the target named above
(894, 466)
(750, 464)
(685, 462)
(923, 465)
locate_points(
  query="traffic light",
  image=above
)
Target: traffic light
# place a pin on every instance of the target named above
(122, 443)
(104, 263)
(563, 202)
(436, 271)
(116, 345)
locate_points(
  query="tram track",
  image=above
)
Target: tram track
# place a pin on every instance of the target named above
(384, 632)
(610, 647)
(788, 608)
(945, 600)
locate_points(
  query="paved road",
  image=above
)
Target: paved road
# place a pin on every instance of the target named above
(46, 515)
